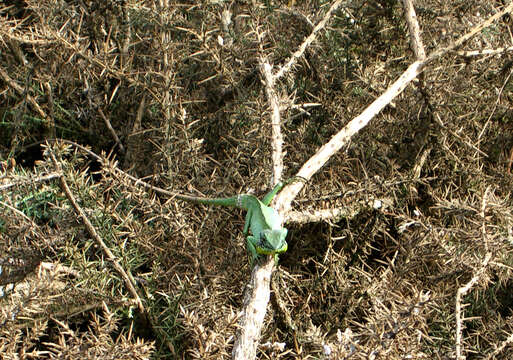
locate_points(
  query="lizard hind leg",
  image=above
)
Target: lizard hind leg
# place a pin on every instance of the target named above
(271, 194)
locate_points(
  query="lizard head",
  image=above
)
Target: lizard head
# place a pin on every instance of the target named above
(272, 241)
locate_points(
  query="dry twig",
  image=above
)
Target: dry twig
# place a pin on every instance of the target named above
(501, 347)
(274, 102)
(112, 131)
(129, 281)
(497, 51)
(20, 91)
(462, 291)
(413, 26)
(335, 214)
(299, 52)
(50, 176)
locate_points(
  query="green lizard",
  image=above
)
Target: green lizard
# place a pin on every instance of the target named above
(267, 233)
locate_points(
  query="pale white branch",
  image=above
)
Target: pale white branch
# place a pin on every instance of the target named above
(462, 291)
(340, 139)
(50, 176)
(501, 347)
(335, 214)
(256, 298)
(343, 136)
(277, 137)
(413, 26)
(497, 51)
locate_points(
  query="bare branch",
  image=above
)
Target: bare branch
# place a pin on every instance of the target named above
(19, 213)
(112, 131)
(335, 214)
(462, 291)
(129, 281)
(50, 176)
(413, 26)
(256, 297)
(277, 137)
(340, 139)
(485, 52)
(442, 51)
(293, 59)
(343, 136)
(501, 347)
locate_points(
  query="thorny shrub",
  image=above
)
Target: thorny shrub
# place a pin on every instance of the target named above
(171, 91)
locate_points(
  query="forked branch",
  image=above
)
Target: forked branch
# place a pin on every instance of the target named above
(317, 161)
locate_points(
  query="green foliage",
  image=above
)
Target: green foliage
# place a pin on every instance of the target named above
(37, 206)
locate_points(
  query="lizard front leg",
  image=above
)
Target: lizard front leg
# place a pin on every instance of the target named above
(251, 243)
(247, 222)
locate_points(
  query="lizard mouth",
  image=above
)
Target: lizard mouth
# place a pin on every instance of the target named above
(268, 250)
(274, 245)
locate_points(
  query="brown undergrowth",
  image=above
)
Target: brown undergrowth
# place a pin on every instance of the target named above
(417, 262)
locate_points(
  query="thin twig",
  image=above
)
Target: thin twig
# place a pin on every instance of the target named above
(280, 304)
(483, 219)
(51, 117)
(127, 27)
(293, 59)
(21, 91)
(111, 129)
(50, 176)
(133, 143)
(129, 281)
(334, 214)
(413, 26)
(105, 162)
(19, 213)
(497, 101)
(462, 291)
(457, 136)
(453, 46)
(501, 347)
(497, 51)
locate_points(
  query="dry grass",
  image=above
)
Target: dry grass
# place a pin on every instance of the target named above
(410, 254)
